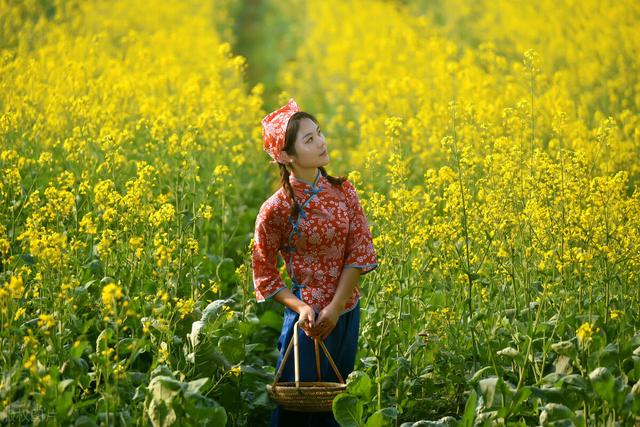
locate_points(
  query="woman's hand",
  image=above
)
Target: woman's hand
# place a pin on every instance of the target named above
(307, 319)
(327, 320)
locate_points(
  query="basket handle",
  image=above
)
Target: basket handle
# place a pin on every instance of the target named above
(294, 343)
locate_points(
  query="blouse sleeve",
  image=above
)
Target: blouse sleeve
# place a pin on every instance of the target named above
(267, 240)
(359, 251)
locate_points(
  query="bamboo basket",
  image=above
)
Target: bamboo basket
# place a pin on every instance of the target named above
(305, 396)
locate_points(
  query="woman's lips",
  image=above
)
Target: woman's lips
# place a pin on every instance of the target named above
(323, 153)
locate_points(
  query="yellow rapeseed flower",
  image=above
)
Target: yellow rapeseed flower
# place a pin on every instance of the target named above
(585, 332)
(111, 293)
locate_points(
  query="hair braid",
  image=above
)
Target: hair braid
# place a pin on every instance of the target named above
(286, 185)
(332, 179)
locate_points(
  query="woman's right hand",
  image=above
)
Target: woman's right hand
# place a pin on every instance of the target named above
(307, 319)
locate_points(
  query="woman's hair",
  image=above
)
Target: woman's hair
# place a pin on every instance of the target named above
(289, 148)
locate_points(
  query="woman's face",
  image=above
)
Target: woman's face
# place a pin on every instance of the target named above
(310, 146)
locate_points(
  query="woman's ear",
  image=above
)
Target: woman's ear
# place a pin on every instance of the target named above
(284, 157)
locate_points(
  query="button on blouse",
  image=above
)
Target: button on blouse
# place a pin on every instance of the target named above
(329, 234)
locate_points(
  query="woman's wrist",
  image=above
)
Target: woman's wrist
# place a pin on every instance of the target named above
(337, 304)
(289, 300)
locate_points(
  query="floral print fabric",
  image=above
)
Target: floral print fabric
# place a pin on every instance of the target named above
(331, 233)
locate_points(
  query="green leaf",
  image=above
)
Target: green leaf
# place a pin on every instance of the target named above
(634, 374)
(204, 410)
(347, 409)
(370, 361)
(555, 412)
(165, 385)
(212, 311)
(480, 373)
(508, 352)
(161, 370)
(63, 403)
(383, 418)
(521, 396)
(271, 319)
(232, 348)
(609, 355)
(196, 386)
(102, 342)
(574, 380)
(359, 384)
(62, 385)
(548, 394)
(603, 383)
(207, 359)
(487, 388)
(565, 348)
(226, 270)
(159, 404)
(76, 351)
(469, 410)
(563, 365)
(635, 398)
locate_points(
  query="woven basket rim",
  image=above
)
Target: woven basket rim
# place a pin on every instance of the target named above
(306, 384)
(314, 388)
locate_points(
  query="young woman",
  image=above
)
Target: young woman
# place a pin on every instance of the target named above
(316, 223)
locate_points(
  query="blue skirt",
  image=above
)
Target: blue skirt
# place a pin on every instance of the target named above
(342, 345)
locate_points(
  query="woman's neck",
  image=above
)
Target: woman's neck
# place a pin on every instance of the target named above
(306, 174)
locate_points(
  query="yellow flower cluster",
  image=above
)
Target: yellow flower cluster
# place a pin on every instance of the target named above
(111, 294)
(185, 306)
(585, 333)
(483, 159)
(12, 289)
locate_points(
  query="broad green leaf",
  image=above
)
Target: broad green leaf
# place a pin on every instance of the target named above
(521, 396)
(212, 311)
(564, 348)
(203, 410)
(555, 412)
(161, 370)
(359, 384)
(603, 383)
(574, 380)
(487, 388)
(548, 394)
(159, 404)
(226, 270)
(196, 386)
(207, 359)
(232, 348)
(608, 356)
(271, 319)
(635, 398)
(76, 351)
(480, 373)
(508, 352)
(62, 385)
(469, 410)
(347, 409)
(563, 365)
(383, 418)
(102, 342)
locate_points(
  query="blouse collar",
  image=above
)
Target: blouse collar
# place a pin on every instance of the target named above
(306, 186)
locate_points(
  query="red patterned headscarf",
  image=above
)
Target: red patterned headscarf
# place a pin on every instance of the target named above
(274, 127)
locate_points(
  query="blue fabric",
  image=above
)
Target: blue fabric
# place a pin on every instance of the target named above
(342, 345)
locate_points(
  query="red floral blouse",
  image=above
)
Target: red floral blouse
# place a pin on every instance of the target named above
(330, 233)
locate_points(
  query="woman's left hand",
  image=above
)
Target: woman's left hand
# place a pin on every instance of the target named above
(326, 321)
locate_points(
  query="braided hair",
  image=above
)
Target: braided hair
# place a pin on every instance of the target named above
(289, 148)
